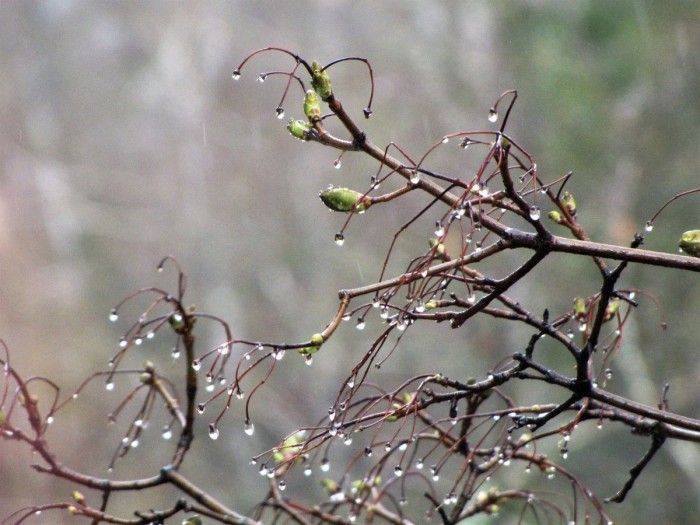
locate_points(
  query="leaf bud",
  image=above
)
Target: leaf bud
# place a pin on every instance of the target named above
(555, 217)
(78, 497)
(312, 107)
(345, 200)
(690, 243)
(611, 310)
(298, 128)
(569, 203)
(320, 81)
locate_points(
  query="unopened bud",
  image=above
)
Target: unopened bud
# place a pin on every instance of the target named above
(569, 203)
(345, 200)
(298, 128)
(690, 243)
(320, 81)
(555, 217)
(312, 107)
(78, 497)
(611, 310)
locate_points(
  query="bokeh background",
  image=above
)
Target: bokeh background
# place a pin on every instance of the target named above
(123, 138)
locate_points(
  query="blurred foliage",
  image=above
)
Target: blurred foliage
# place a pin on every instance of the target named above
(123, 138)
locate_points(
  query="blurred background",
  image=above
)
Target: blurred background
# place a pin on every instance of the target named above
(123, 139)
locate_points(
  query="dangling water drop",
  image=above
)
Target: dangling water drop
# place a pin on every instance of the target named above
(236, 74)
(109, 386)
(279, 111)
(445, 140)
(282, 484)
(368, 451)
(325, 465)
(493, 115)
(213, 431)
(167, 433)
(114, 316)
(279, 354)
(337, 164)
(415, 177)
(249, 428)
(360, 324)
(260, 79)
(339, 238)
(307, 470)
(419, 464)
(648, 226)
(201, 407)
(398, 471)
(196, 364)
(308, 359)
(175, 352)
(535, 212)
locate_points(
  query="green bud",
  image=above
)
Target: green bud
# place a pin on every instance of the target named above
(308, 350)
(78, 496)
(690, 243)
(344, 200)
(192, 520)
(555, 216)
(317, 339)
(580, 306)
(298, 128)
(330, 485)
(611, 310)
(430, 305)
(312, 107)
(569, 203)
(320, 81)
(440, 250)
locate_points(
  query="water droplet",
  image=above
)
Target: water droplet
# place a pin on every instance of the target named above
(368, 451)
(367, 112)
(307, 470)
(138, 341)
(337, 164)
(387, 447)
(49, 420)
(201, 407)
(167, 433)
(114, 316)
(325, 465)
(419, 464)
(134, 443)
(360, 324)
(415, 177)
(196, 364)
(402, 325)
(493, 115)
(123, 343)
(375, 302)
(240, 394)
(351, 382)
(248, 427)
(210, 387)
(213, 431)
(150, 335)
(347, 441)
(398, 471)
(263, 470)
(403, 446)
(384, 313)
(261, 79)
(582, 327)
(420, 307)
(279, 111)
(282, 484)
(175, 352)
(339, 238)
(445, 140)
(471, 298)
(535, 212)
(109, 386)
(308, 359)
(236, 74)
(648, 226)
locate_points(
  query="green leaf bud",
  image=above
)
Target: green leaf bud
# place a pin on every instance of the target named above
(312, 107)
(320, 81)
(344, 200)
(331, 486)
(555, 217)
(440, 250)
(298, 128)
(78, 497)
(569, 203)
(690, 243)
(611, 310)
(317, 339)
(192, 520)
(309, 350)
(580, 307)
(430, 305)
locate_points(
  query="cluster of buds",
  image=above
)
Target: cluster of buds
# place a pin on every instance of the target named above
(690, 242)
